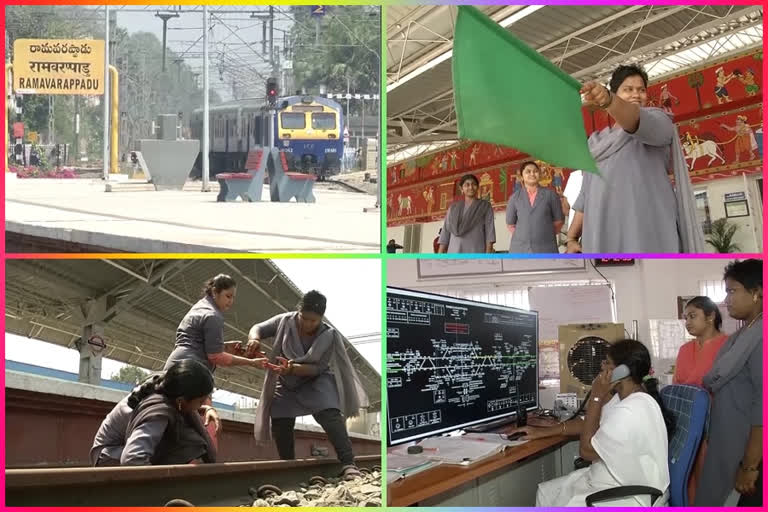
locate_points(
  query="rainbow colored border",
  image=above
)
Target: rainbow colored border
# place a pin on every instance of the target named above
(384, 257)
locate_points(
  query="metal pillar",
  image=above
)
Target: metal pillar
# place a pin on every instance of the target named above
(51, 120)
(272, 112)
(91, 349)
(379, 133)
(105, 170)
(271, 137)
(76, 158)
(205, 135)
(272, 38)
(114, 158)
(165, 16)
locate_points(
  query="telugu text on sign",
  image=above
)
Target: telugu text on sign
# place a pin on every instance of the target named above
(58, 66)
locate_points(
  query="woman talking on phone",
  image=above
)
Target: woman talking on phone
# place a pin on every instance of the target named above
(624, 434)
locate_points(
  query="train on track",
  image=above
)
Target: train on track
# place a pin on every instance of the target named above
(308, 129)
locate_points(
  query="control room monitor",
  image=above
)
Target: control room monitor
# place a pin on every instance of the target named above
(452, 363)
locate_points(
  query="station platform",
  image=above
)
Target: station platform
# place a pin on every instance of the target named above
(133, 217)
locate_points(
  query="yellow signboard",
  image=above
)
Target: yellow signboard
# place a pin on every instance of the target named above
(58, 66)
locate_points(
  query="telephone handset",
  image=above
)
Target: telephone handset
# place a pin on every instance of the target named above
(619, 373)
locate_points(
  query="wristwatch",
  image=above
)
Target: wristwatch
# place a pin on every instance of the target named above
(596, 399)
(610, 100)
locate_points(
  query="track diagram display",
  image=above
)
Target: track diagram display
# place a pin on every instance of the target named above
(452, 363)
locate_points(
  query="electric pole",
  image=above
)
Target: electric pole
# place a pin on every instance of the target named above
(165, 16)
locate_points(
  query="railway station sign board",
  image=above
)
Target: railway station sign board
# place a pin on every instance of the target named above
(58, 66)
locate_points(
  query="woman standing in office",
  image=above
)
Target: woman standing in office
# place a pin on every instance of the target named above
(734, 458)
(316, 377)
(624, 434)
(534, 214)
(695, 359)
(468, 225)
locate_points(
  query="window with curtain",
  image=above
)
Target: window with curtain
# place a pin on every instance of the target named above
(715, 290)
(515, 297)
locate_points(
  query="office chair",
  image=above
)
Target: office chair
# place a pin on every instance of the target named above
(690, 407)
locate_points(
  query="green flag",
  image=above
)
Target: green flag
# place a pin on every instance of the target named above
(508, 94)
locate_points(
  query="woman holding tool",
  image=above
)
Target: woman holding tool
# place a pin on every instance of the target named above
(200, 336)
(309, 373)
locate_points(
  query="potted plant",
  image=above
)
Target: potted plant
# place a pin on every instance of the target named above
(721, 236)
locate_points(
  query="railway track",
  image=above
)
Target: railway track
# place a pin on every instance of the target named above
(347, 186)
(223, 484)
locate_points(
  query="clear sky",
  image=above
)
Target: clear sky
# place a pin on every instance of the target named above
(352, 286)
(235, 39)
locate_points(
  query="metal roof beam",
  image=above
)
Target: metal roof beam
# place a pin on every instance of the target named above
(167, 292)
(144, 288)
(613, 35)
(589, 27)
(497, 16)
(588, 71)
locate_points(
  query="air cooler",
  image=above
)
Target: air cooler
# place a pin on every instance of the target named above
(583, 347)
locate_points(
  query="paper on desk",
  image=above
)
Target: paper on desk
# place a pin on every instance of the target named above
(459, 450)
(400, 462)
(493, 438)
(401, 465)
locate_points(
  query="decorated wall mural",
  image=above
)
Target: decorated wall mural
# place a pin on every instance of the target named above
(421, 190)
(718, 112)
(717, 108)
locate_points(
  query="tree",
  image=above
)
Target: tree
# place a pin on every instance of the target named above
(347, 53)
(130, 375)
(721, 237)
(145, 91)
(54, 22)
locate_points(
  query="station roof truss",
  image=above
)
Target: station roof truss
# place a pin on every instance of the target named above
(141, 302)
(587, 42)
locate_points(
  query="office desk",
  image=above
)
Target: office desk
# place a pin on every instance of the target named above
(509, 478)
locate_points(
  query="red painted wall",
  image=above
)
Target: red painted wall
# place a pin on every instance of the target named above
(420, 190)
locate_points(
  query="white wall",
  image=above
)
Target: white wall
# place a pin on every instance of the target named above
(749, 234)
(429, 231)
(397, 232)
(646, 291)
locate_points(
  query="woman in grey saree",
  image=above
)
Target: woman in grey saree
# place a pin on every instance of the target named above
(734, 458)
(316, 377)
(632, 207)
(468, 225)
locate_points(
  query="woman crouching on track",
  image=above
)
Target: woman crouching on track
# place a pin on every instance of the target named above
(165, 427)
(313, 375)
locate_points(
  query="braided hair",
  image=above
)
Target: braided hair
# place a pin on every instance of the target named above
(186, 379)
